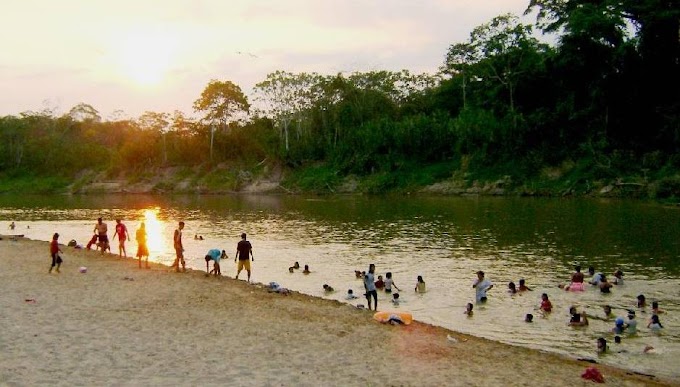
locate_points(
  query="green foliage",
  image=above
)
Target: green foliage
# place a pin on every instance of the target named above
(599, 107)
(24, 182)
(221, 179)
(319, 178)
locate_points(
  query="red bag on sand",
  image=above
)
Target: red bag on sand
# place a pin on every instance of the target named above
(592, 373)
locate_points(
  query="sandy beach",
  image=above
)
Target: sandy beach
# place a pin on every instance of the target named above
(120, 325)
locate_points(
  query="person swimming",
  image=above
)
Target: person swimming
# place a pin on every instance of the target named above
(576, 284)
(654, 323)
(468, 309)
(529, 318)
(523, 286)
(395, 299)
(604, 285)
(420, 284)
(655, 308)
(577, 319)
(618, 277)
(619, 326)
(546, 305)
(601, 345)
(641, 301)
(512, 289)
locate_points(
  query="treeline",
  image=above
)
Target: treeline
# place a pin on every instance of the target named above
(603, 100)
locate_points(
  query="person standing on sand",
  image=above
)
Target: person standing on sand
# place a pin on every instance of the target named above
(123, 235)
(369, 284)
(244, 254)
(54, 252)
(179, 248)
(101, 229)
(142, 249)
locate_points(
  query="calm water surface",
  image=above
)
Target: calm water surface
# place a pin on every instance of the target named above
(446, 240)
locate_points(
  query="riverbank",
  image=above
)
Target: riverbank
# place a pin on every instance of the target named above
(117, 324)
(446, 179)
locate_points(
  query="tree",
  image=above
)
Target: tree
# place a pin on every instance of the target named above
(221, 102)
(83, 112)
(459, 58)
(159, 123)
(287, 96)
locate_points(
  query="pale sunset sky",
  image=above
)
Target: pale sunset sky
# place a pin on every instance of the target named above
(158, 55)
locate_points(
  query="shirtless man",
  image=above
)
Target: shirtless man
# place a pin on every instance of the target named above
(179, 248)
(101, 229)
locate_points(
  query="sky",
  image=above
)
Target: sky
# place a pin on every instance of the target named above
(159, 55)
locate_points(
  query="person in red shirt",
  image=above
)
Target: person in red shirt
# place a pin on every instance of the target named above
(379, 284)
(54, 252)
(546, 305)
(123, 235)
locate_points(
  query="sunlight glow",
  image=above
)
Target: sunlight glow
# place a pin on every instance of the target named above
(153, 230)
(146, 56)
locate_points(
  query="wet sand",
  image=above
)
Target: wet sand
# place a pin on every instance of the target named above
(120, 325)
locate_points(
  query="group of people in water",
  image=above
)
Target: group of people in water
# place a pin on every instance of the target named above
(578, 318)
(481, 285)
(371, 287)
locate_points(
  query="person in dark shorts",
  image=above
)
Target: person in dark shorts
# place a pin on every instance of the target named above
(369, 284)
(101, 230)
(179, 248)
(244, 254)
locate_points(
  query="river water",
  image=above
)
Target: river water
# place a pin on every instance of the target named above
(446, 240)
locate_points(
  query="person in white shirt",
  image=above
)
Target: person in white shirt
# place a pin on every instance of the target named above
(597, 277)
(350, 295)
(481, 286)
(369, 285)
(389, 282)
(631, 325)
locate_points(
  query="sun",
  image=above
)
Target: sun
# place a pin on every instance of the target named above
(153, 230)
(146, 56)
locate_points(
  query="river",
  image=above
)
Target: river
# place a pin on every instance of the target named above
(444, 239)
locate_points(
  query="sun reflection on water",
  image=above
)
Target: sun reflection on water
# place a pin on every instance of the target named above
(154, 236)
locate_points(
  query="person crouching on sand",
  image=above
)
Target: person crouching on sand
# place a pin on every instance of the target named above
(54, 252)
(215, 255)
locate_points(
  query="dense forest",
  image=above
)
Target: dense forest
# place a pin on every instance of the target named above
(599, 107)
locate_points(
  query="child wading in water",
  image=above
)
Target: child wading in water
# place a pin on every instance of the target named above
(54, 252)
(389, 282)
(420, 285)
